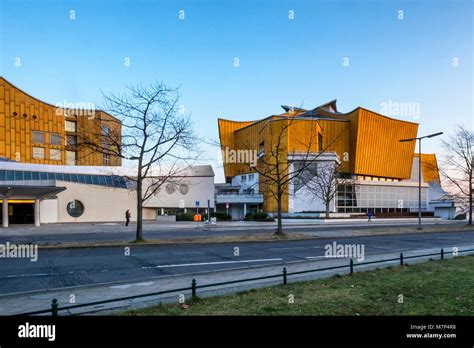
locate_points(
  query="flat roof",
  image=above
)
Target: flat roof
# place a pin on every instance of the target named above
(194, 170)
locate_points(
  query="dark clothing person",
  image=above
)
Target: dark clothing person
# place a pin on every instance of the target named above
(127, 217)
(370, 214)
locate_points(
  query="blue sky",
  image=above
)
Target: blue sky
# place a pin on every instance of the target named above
(295, 61)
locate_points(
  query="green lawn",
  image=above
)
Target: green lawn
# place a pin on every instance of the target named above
(432, 288)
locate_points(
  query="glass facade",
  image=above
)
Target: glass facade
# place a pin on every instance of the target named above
(101, 180)
(378, 198)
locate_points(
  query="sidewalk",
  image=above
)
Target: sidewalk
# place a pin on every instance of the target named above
(116, 227)
(26, 302)
(102, 235)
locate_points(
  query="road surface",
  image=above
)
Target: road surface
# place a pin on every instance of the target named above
(71, 267)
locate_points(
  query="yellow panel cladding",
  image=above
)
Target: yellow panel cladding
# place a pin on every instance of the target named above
(429, 167)
(276, 141)
(226, 136)
(336, 138)
(378, 151)
(22, 114)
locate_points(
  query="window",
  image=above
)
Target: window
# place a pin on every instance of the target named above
(38, 152)
(71, 126)
(243, 178)
(251, 177)
(71, 141)
(38, 137)
(75, 208)
(183, 189)
(320, 142)
(170, 188)
(105, 131)
(106, 159)
(71, 157)
(55, 139)
(55, 154)
(107, 138)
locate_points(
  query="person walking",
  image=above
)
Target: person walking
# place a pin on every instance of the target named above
(127, 217)
(369, 215)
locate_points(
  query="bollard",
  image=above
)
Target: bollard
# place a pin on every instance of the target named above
(193, 288)
(401, 259)
(284, 276)
(54, 308)
(442, 254)
(351, 266)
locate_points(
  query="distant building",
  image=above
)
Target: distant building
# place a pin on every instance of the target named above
(48, 176)
(383, 171)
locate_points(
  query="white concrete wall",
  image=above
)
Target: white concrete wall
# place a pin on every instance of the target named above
(49, 211)
(304, 200)
(199, 189)
(101, 204)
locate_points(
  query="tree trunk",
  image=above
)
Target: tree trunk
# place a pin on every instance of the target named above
(279, 230)
(327, 210)
(139, 236)
(470, 198)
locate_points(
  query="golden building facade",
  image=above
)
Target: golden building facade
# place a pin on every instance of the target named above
(367, 143)
(32, 131)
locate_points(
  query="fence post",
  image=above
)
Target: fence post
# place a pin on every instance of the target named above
(54, 308)
(284, 275)
(351, 266)
(442, 254)
(401, 259)
(193, 288)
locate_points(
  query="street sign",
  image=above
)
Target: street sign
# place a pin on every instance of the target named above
(197, 203)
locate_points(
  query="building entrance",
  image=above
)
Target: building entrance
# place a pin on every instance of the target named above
(20, 213)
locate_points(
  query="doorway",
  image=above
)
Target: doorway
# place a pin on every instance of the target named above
(20, 213)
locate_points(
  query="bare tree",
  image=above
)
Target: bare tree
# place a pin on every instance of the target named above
(457, 166)
(278, 166)
(154, 134)
(321, 179)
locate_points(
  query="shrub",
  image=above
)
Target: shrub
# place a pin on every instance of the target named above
(185, 217)
(248, 217)
(260, 216)
(221, 216)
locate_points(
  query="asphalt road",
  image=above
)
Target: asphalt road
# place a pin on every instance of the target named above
(95, 233)
(71, 267)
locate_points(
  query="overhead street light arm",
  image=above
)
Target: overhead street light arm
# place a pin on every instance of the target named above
(419, 138)
(419, 169)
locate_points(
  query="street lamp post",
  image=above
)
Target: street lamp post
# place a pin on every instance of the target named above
(419, 169)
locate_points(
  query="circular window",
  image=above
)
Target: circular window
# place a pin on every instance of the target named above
(183, 188)
(170, 188)
(75, 208)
